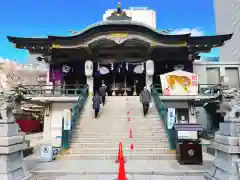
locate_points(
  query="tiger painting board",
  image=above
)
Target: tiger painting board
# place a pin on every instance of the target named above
(179, 83)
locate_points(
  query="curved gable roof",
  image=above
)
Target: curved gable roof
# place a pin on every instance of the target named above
(121, 25)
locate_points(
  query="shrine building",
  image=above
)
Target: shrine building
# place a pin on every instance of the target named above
(123, 53)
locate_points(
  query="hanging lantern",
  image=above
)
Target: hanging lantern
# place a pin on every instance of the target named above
(98, 67)
(150, 67)
(112, 67)
(88, 68)
(66, 69)
(138, 69)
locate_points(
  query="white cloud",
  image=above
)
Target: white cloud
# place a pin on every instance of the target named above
(5, 59)
(193, 32)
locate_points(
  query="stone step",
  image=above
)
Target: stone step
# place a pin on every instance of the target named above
(123, 129)
(115, 150)
(127, 157)
(117, 125)
(125, 119)
(143, 138)
(114, 145)
(111, 140)
(120, 125)
(96, 125)
(136, 134)
(115, 116)
(109, 131)
(123, 136)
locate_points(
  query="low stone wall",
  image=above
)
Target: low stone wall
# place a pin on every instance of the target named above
(34, 139)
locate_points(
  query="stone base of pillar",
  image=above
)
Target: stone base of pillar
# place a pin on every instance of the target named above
(90, 85)
(90, 94)
(11, 158)
(226, 144)
(149, 81)
(11, 146)
(134, 93)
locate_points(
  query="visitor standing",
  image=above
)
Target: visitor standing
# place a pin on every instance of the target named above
(103, 92)
(145, 99)
(96, 103)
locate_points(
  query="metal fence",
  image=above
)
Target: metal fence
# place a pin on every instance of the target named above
(75, 115)
(171, 133)
(50, 90)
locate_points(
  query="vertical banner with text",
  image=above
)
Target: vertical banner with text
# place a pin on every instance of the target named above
(171, 117)
(66, 119)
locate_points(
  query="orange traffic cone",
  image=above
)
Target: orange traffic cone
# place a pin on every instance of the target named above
(131, 146)
(130, 133)
(121, 171)
(120, 153)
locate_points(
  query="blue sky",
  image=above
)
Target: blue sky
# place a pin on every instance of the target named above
(30, 18)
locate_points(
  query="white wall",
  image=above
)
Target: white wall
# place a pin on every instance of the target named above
(227, 15)
(53, 122)
(199, 68)
(142, 15)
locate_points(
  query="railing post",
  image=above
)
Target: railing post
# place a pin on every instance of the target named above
(75, 113)
(65, 137)
(171, 133)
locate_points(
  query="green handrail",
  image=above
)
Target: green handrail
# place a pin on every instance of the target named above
(75, 115)
(171, 133)
(50, 90)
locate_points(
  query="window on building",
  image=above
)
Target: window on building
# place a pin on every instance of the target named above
(233, 76)
(213, 75)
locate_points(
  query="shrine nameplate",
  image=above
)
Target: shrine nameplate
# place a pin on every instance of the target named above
(119, 35)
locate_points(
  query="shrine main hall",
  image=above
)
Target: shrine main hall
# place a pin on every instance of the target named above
(123, 53)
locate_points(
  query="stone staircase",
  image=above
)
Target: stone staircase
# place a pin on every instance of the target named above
(98, 139)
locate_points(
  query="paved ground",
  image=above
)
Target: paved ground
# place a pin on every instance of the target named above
(111, 177)
(105, 169)
(149, 167)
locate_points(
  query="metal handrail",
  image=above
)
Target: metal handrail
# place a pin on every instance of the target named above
(171, 133)
(50, 90)
(75, 115)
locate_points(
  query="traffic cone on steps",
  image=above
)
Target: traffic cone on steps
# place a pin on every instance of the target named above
(130, 133)
(120, 154)
(121, 171)
(131, 146)
(130, 137)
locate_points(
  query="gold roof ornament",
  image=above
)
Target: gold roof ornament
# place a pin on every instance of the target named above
(119, 14)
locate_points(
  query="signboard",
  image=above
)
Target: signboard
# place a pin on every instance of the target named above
(46, 153)
(188, 135)
(179, 83)
(67, 119)
(119, 35)
(171, 117)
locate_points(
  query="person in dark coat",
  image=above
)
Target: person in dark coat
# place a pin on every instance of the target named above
(145, 99)
(97, 100)
(103, 91)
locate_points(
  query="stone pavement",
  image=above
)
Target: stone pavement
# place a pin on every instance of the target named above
(41, 176)
(106, 169)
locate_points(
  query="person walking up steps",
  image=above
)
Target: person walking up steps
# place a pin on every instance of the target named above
(145, 99)
(103, 91)
(96, 103)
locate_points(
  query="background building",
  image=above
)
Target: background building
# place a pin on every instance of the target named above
(227, 15)
(139, 14)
